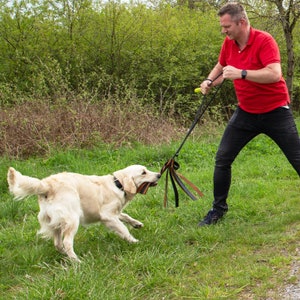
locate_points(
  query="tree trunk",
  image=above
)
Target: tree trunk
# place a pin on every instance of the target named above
(291, 57)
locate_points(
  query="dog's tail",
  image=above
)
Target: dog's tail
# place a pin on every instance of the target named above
(22, 186)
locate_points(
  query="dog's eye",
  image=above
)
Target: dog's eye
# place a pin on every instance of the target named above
(144, 173)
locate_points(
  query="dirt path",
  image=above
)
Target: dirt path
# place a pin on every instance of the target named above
(292, 291)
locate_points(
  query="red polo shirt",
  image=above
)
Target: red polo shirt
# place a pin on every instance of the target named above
(260, 51)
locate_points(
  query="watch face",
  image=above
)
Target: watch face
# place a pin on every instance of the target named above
(244, 74)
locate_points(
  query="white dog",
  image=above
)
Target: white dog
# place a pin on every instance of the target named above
(69, 199)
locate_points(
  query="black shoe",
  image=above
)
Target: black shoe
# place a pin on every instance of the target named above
(212, 217)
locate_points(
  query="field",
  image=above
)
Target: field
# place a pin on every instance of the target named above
(246, 256)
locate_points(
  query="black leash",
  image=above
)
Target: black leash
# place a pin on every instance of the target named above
(171, 166)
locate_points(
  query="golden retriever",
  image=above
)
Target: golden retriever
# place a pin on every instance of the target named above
(69, 199)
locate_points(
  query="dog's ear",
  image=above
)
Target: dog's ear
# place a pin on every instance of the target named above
(127, 182)
(129, 186)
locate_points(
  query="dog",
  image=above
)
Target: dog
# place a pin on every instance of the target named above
(69, 199)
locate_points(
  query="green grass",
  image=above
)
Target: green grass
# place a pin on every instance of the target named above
(246, 256)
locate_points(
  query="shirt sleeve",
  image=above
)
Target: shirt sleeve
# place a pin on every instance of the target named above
(269, 52)
(222, 55)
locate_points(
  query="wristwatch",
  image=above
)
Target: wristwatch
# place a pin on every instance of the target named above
(244, 74)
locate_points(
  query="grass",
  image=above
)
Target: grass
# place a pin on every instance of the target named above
(246, 256)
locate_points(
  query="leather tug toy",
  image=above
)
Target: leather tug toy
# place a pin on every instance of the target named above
(171, 166)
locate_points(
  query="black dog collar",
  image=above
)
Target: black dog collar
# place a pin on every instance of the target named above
(118, 184)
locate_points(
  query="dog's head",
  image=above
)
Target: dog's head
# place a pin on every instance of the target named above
(134, 177)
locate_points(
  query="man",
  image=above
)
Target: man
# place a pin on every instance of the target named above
(251, 59)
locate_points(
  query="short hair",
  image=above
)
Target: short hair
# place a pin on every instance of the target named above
(235, 10)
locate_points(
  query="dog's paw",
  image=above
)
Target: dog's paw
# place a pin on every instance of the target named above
(138, 225)
(132, 240)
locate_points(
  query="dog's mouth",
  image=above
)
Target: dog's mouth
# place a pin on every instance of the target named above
(143, 188)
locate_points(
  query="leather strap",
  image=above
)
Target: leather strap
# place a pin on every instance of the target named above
(143, 188)
(170, 168)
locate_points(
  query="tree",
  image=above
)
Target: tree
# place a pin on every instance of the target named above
(287, 13)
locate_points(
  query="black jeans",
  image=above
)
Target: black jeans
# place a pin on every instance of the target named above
(278, 124)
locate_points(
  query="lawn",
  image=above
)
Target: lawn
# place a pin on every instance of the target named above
(246, 256)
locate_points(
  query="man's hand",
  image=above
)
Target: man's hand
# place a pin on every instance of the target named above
(205, 86)
(232, 73)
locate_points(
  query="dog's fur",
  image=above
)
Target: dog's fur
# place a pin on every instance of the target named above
(69, 199)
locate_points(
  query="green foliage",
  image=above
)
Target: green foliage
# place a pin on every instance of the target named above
(161, 50)
(56, 51)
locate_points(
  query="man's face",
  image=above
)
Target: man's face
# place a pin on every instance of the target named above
(229, 27)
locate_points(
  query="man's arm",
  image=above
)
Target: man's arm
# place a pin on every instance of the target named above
(269, 74)
(213, 79)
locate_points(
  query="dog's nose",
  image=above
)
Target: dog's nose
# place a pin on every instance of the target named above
(158, 175)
